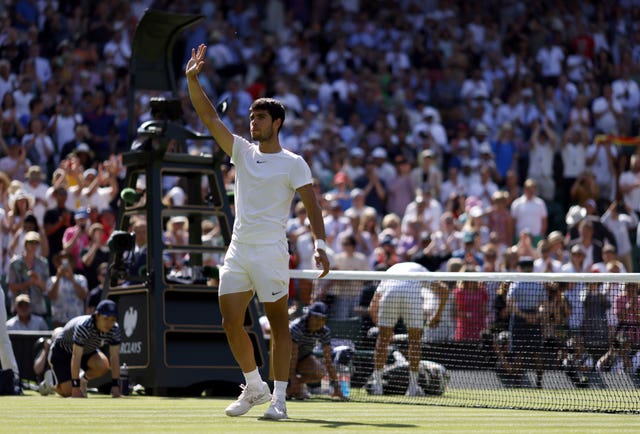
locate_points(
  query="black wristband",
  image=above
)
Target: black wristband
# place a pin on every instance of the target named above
(115, 382)
(75, 382)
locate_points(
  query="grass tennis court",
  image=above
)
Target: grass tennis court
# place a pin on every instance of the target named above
(139, 414)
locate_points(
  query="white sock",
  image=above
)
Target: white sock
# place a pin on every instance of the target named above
(253, 378)
(413, 378)
(280, 390)
(377, 376)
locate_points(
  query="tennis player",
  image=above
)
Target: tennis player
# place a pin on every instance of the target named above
(257, 260)
(395, 299)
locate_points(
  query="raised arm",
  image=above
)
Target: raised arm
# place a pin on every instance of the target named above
(201, 103)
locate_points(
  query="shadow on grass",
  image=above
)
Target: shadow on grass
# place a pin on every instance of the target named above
(340, 424)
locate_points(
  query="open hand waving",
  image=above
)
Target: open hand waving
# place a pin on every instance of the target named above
(195, 64)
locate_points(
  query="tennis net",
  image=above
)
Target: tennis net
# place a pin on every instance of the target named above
(543, 341)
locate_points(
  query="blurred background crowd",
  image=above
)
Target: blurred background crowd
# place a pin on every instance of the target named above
(442, 132)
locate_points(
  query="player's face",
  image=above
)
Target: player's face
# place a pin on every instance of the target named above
(261, 125)
(105, 323)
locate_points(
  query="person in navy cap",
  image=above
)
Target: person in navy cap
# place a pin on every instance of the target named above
(307, 331)
(75, 356)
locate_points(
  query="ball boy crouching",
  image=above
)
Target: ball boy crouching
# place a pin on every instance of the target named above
(78, 347)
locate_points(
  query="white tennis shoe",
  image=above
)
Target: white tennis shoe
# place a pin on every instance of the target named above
(248, 398)
(46, 386)
(277, 410)
(414, 390)
(376, 388)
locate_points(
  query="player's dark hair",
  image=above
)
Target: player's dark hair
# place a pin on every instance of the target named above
(274, 107)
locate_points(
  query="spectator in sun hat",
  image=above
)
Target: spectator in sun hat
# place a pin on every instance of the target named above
(545, 263)
(427, 174)
(431, 124)
(176, 233)
(556, 242)
(24, 319)
(28, 274)
(576, 262)
(601, 232)
(20, 204)
(384, 168)
(609, 261)
(36, 186)
(16, 239)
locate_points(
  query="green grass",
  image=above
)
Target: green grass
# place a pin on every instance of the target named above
(578, 400)
(33, 413)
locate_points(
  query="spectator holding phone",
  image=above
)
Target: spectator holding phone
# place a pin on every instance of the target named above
(67, 290)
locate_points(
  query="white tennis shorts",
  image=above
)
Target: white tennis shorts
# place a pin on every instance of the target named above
(401, 304)
(261, 268)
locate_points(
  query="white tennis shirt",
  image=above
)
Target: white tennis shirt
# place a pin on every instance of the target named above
(264, 188)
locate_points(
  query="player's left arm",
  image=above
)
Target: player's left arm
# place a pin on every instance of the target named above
(76, 359)
(114, 361)
(314, 212)
(374, 306)
(331, 370)
(442, 292)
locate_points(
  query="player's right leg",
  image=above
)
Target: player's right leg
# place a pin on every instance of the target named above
(415, 337)
(60, 362)
(385, 334)
(233, 307)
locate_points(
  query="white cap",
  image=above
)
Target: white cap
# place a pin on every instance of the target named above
(475, 211)
(485, 148)
(379, 153)
(357, 152)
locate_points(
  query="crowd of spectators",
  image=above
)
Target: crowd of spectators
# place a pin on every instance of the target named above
(453, 134)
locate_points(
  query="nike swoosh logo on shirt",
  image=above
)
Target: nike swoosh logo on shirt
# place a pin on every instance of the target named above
(260, 161)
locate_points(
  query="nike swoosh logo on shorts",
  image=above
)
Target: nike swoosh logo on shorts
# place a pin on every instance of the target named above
(260, 161)
(275, 293)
